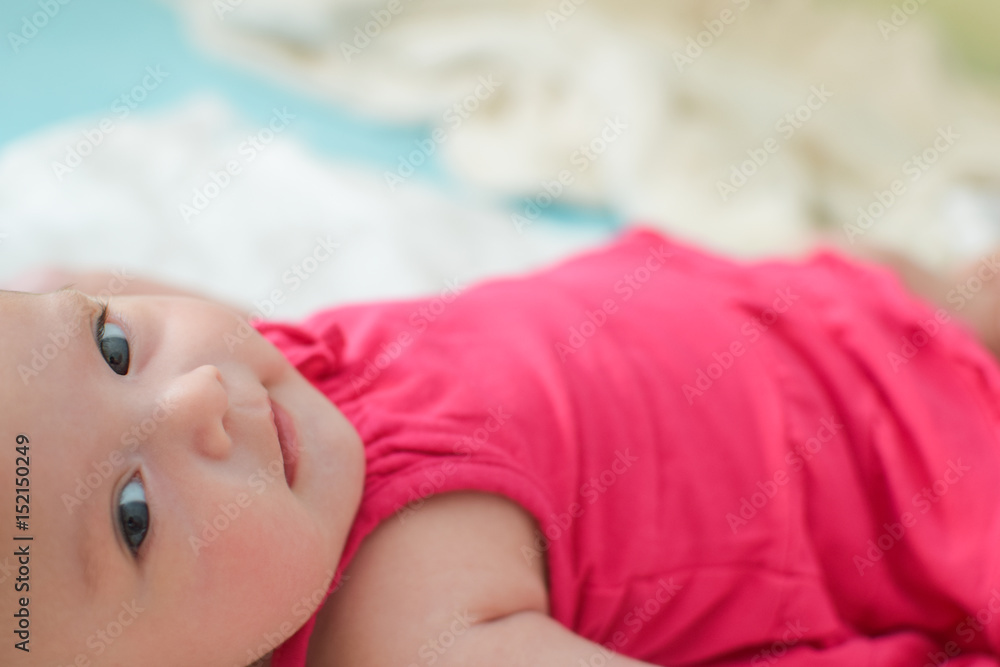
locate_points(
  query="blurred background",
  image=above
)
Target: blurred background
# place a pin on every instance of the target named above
(342, 150)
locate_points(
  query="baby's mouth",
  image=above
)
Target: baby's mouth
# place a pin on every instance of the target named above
(288, 440)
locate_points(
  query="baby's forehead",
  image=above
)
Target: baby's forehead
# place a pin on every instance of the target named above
(35, 357)
(7, 295)
(11, 323)
(9, 300)
(15, 330)
(10, 303)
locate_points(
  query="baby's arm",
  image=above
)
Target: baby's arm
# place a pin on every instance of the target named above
(530, 638)
(449, 585)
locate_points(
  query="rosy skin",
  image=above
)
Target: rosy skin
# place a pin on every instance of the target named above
(191, 418)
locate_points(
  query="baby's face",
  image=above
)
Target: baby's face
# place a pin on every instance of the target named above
(163, 529)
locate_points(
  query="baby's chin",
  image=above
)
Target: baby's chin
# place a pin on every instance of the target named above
(330, 462)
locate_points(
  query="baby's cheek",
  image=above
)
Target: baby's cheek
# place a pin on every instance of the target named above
(265, 570)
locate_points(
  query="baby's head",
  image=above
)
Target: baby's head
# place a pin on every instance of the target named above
(147, 485)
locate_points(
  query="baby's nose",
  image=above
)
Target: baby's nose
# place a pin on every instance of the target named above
(201, 401)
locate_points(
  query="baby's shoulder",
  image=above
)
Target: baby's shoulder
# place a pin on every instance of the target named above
(456, 561)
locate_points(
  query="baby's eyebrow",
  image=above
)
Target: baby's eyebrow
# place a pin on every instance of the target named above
(82, 306)
(69, 287)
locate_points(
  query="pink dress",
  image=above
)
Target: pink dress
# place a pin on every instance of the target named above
(728, 462)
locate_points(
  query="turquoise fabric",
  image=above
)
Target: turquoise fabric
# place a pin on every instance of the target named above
(70, 59)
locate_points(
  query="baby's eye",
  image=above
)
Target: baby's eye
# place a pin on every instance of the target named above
(133, 513)
(114, 346)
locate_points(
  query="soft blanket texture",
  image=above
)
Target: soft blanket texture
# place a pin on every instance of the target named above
(699, 86)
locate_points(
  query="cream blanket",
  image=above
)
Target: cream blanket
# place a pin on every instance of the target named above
(748, 125)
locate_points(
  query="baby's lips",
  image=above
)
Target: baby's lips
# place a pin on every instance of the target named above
(288, 440)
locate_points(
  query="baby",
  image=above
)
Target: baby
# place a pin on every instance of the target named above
(643, 455)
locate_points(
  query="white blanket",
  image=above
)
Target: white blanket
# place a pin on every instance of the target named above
(675, 122)
(317, 232)
(703, 87)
